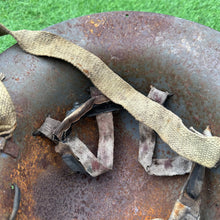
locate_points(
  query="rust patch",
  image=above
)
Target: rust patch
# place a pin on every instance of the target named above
(35, 159)
(95, 165)
(80, 66)
(126, 192)
(168, 163)
(6, 194)
(178, 208)
(86, 72)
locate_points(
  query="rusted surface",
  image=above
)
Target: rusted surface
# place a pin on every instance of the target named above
(122, 193)
(172, 54)
(179, 207)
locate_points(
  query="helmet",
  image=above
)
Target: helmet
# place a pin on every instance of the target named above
(145, 49)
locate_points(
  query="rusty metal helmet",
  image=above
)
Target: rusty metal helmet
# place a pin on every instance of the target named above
(145, 49)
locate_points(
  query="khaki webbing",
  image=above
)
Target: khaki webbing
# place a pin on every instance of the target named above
(7, 112)
(195, 147)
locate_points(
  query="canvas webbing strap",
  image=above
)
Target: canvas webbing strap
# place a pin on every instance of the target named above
(193, 146)
(7, 114)
(156, 166)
